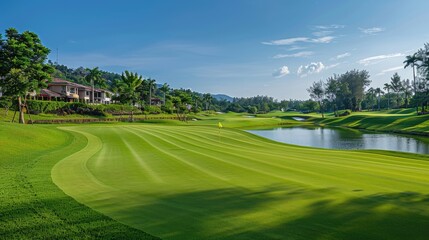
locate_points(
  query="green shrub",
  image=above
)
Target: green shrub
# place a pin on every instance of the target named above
(37, 107)
(152, 109)
(65, 108)
(343, 113)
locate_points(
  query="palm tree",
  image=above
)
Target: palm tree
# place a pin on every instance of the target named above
(407, 90)
(387, 87)
(207, 98)
(370, 97)
(411, 60)
(128, 89)
(164, 89)
(151, 86)
(94, 77)
(378, 91)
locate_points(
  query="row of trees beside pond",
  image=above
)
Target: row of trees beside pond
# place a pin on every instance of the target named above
(352, 90)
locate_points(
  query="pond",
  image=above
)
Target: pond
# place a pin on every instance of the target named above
(340, 138)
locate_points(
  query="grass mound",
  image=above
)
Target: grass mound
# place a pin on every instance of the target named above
(388, 122)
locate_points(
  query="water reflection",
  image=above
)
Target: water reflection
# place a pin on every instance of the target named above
(338, 138)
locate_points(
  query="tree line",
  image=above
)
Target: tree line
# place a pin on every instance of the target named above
(24, 68)
(352, 90)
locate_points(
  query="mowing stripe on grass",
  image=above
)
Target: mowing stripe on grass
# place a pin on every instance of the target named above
(248, 187)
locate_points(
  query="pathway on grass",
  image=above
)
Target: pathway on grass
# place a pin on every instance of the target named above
(183, 182)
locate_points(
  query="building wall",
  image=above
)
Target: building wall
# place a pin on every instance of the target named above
(58, 89)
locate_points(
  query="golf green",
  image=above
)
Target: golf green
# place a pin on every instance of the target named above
(196, 182)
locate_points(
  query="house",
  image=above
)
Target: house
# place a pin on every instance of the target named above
(46, 94)
(68, 90)
(102, 96)
(84, 93)
(73, 92)
(156, 101)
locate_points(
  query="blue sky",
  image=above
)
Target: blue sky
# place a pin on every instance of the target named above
(239, 47)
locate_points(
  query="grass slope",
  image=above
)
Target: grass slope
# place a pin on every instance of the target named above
(399, 121)
(31, 205)
(190, 182)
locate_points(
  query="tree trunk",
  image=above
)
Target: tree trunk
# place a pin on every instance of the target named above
(21, 111)
(150, 96)
(378, 102)
(321, 109)
(415, 90)
(388, 100)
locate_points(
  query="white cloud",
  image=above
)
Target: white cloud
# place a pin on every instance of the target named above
(281, 72)
(389, 70)
(332, 26)
(326, 39)
(378, 59)
(314, 67)
(344, 55)
(286, 41)
(372, 30)
(298, 54)
(332, 65)
(290, 41)
(293, 48)
(322, 33)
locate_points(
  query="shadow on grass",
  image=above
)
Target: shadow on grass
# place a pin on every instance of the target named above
(270, 214)
(60, 218)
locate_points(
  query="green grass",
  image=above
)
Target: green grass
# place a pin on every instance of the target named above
(8, 117)
(31, 205)
(179, 180)
(398, 120)
(189, 182)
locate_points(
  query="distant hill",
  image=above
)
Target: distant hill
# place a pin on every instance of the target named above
(221, 97)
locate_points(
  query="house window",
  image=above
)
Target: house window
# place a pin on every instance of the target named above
(63, 89)
(72, 90)
(87, 93)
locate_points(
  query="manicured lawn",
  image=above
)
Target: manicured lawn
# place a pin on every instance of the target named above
(31, 205)
(190, 182)
(178, 180)
(402, 121)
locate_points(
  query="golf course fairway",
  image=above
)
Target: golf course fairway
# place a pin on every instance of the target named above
(199, 182)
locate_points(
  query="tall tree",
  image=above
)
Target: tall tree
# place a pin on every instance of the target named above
(331, 91)
(388, 87)
(378, 91)
(396, 86)
(317, 93)
(152, 88)
(94, 77)
(370, 96)
(411, 60)
(407, 90)
(182, 102)
(22, 66)
(164, 89)
(207, 98)
(357, 81)
(128, 85)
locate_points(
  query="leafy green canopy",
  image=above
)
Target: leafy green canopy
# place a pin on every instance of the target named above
(22, 63)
